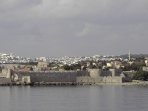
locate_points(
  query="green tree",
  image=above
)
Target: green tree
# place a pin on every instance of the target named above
(141, 75)
(66, 67)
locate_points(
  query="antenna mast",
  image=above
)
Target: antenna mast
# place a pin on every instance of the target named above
(129, 56)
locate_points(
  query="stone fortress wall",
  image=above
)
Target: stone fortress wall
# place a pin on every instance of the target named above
(102, 76)
(90, 76)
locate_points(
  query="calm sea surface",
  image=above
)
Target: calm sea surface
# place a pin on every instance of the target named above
(86, 98)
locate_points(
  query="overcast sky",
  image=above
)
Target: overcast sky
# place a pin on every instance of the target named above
(73, 27)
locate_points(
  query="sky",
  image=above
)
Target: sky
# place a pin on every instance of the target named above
(73, 27)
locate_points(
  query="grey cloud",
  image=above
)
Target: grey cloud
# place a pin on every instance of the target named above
(73, 27)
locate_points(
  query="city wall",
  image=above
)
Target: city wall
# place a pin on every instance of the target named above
(46, 77)
(89, 80)
(5, 81)
(91, 76)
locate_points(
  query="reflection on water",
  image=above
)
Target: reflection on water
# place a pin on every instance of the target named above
(85, 98)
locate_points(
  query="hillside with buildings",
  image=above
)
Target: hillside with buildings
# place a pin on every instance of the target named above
(71, 70)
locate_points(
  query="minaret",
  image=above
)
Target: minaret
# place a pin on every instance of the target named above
(129, 56)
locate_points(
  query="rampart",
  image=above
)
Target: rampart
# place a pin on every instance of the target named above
(45, 77)
(91, 76)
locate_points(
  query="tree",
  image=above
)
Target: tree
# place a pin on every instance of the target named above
(141, 75)
(66, 67)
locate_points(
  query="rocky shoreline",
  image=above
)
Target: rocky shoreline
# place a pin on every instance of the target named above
(134, 82)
